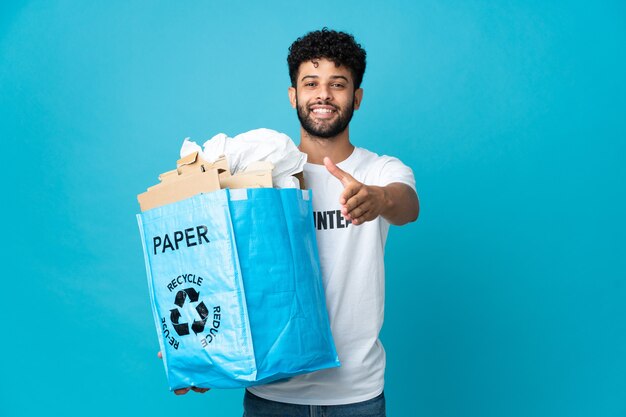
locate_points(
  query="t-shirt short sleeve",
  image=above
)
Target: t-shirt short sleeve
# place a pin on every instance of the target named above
(393, 170)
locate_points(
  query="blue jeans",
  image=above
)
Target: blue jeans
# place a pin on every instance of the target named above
(254, 406)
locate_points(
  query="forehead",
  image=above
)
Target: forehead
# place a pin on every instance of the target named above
(323, 68)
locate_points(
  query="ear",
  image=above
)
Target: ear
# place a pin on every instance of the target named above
(292, 96)
(358, 97)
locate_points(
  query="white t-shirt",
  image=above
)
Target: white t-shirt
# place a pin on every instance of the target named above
(353, 273)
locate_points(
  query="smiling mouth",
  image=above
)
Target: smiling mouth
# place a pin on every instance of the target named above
(323, 112)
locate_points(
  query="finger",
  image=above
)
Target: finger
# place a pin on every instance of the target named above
(357, 199)
(337, 172)
(345, 211)
(362, 207)
(160, 355)
(182, 391)
(355, 212)
(353, 203)
(359, 211)
(365, 217)
(350, 191)
(345, 214)
(200, 390)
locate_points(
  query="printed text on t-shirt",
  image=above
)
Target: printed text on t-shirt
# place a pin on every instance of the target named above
(330, 219)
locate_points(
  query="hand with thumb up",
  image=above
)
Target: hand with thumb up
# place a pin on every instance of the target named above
(360, 203)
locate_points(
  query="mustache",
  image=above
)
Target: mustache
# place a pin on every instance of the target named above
(322, 103)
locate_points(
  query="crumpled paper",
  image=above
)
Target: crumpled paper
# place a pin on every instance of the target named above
(255, 145)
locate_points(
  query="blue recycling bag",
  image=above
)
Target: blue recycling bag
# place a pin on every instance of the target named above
(236, 288)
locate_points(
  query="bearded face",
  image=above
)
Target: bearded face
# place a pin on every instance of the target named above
(323, 119)
(324, 98)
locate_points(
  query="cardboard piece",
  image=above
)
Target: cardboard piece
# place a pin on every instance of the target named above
(254, 179)
(176, 189)
(193, 175)
(194, 162)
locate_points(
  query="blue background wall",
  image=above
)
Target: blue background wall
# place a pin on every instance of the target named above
(506, 298)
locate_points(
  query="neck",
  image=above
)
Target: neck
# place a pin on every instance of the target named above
(337, 148)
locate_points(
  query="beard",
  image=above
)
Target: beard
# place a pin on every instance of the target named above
(324, 129)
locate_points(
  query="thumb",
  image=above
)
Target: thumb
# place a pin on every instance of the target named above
(337, 172)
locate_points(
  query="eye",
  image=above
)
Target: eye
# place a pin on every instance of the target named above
(337, 85)
(310, 84)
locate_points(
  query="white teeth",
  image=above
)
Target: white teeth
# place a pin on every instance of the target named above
(322, 111)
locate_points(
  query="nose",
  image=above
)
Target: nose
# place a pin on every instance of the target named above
(324, 93)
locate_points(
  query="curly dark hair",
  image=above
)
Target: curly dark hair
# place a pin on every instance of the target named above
(338, 47)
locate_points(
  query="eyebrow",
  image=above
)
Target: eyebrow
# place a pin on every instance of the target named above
(334, 77)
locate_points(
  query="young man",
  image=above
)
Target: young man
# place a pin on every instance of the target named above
(357, 195)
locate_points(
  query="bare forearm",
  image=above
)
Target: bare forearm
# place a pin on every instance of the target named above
(401, 204)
